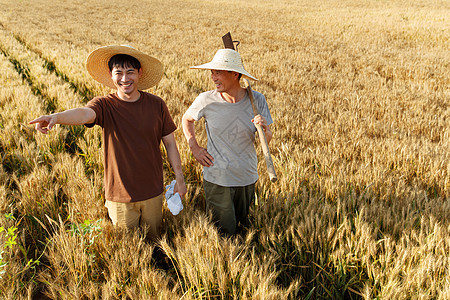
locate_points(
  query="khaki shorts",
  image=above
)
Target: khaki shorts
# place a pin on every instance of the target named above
(130, 215)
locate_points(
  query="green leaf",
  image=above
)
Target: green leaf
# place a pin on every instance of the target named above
(10, 216)
(11, 231)
(10, 242)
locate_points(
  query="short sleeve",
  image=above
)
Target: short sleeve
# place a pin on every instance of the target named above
(196, 109)
(168, 123)
(96, 105)
(263, 108)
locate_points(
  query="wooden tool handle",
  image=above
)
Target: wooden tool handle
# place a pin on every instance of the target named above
(262, 137)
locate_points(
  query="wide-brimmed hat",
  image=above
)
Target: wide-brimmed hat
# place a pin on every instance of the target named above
(97, 66)
(227, 60)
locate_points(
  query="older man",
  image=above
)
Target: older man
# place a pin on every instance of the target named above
(229, 161)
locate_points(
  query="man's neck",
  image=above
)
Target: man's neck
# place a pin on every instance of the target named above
(129, 97)
(235, 95)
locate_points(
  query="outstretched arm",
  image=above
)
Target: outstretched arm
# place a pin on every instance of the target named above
(175, 161)
(200, 153)
(75, 116)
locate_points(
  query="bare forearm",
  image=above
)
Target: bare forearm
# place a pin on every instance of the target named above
(175, 162)
(75, 116)
(173, 156)
(268, 134)
(189, 131)
(201, 154)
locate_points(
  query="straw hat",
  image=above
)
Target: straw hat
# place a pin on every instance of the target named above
(97, 66)
(228, 60)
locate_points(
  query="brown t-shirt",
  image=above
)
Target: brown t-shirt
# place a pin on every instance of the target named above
(132, 133)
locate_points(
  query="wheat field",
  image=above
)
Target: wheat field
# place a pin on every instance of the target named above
(359, 91)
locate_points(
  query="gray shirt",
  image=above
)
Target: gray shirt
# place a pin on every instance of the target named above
(231, 136)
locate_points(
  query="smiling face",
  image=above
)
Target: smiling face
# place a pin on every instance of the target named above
(126, 79)
(225, 80)
(125, 73)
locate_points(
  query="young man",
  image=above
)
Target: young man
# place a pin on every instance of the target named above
(134, 123)
(229, 161)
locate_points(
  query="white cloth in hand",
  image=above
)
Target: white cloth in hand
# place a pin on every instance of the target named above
(173, 200)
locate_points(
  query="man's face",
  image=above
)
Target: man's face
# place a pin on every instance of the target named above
(224, 80)
(126, 79)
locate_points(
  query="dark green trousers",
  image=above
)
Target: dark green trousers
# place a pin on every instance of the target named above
(229, 205)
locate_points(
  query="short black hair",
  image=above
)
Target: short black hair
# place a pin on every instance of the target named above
(239, 74)
(123, 61)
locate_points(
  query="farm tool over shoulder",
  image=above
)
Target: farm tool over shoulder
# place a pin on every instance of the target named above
(229, 44)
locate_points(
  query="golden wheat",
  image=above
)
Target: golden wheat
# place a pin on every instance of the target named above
(359, 92)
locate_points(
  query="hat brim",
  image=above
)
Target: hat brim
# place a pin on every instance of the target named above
(97, 66)
(215, 66)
